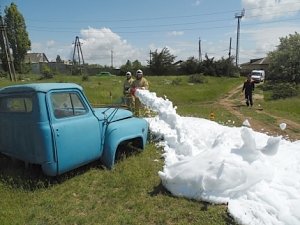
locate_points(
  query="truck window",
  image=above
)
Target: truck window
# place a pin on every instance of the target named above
(16, 104)
(67, 105)
(256, 73)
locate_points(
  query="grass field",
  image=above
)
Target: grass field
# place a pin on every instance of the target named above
(131, 193)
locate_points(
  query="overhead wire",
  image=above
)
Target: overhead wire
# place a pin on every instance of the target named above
(184, 26)
(64, 30)
(165, 17)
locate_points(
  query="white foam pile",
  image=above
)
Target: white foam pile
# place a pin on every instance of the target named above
(256, 174)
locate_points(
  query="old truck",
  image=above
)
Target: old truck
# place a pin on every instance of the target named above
(54, 125)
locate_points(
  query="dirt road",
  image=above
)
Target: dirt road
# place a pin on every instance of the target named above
(229, 102)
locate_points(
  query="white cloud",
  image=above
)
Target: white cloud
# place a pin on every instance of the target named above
(51, 44)
(35, 47)
(176, 33)
(99, 45)
(270, 9)
(263, 40)
(198, 2)
(53, 48)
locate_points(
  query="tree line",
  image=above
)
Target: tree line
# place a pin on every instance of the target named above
(164, 63)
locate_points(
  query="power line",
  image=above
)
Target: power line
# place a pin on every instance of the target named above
(168, 17)
(157, 31)
(168, 25)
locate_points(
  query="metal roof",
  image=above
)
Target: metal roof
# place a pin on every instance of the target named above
(38, 87)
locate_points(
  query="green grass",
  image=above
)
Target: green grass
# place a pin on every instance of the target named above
(287, 108)
(196, 99)
(250, 112)
(187, 93)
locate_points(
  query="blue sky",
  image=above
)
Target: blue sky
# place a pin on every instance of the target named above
(130, 29)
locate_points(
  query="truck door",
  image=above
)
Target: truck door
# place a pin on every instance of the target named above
(76, 131)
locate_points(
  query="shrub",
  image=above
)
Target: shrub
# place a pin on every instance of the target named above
(46, 72)
(3, 74)
(197, 78)
(85, 77)
(284, 90)
(176, 81)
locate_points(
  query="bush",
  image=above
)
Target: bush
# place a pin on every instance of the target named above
(176, 81)
(46, 72)
(268, 86)
(85, 77)
(3, 74)
(197, 78)
(284, 90)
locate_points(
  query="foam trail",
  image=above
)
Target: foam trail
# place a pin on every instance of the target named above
(257, 175)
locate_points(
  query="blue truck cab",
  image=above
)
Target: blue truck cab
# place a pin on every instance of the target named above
(53, 125)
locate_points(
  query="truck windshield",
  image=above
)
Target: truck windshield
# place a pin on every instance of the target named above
(256, 73)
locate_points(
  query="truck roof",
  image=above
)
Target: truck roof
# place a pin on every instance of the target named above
(38, 87)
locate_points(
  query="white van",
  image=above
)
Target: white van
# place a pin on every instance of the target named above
(258, 76)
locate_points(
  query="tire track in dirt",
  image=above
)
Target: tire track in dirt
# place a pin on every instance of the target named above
(292, 131)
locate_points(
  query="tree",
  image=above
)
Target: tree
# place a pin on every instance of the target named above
(162, 62)
(226, 67)
(136, 65)
(17, 35)
(130, 66)
(284, 61)
(208, 66)
(190, 66)
(126, 67)
(58, 59)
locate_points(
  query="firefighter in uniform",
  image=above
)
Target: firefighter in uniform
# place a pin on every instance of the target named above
(140, 83)
(128, 99)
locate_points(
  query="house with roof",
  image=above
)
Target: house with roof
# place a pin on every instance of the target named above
(36, 61)
(255, 64)
(36, 58)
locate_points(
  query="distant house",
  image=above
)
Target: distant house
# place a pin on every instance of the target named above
(255, 64)
(36, 60)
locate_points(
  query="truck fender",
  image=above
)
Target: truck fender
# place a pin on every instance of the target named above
(122, 131)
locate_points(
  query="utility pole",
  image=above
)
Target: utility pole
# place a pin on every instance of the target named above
(111, 58)
(150, 55)
(78, 50)
(239, 16)
(229, 54)
(200, 54)
(8, 57)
